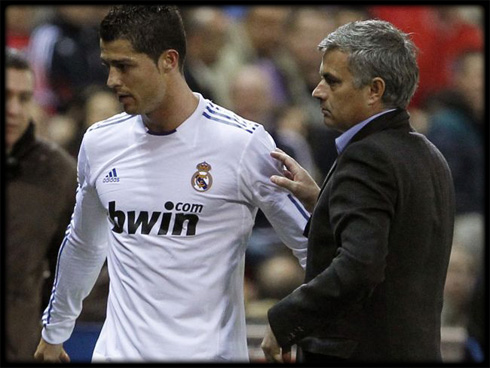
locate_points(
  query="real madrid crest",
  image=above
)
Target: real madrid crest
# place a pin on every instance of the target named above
(202, 179)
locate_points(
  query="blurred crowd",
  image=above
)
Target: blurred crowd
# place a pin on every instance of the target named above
(262, 62)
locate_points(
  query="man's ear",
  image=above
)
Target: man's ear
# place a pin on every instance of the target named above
(168, 60)
(376, 90)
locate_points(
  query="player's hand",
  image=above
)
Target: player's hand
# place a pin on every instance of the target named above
(50, 353)
(272, 351)
(297, 180)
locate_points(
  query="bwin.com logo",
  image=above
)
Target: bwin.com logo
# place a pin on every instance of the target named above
(179, 219)
(111, 177)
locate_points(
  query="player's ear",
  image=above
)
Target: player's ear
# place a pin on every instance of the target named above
(376, 90)
(168, 60)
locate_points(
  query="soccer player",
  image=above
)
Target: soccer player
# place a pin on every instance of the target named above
(168, 192)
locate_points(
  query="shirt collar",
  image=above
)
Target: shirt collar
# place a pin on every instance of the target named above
(343, 140)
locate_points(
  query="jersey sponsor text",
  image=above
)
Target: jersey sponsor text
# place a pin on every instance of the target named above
(186, 218)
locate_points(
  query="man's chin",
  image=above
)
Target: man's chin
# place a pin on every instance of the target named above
(130, 110)
(330, 124)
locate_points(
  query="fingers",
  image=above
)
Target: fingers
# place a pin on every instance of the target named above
(283, 182)
(288, 175)
(270, 347)
(51, 353)
(64, 357)
(48, 358)
(280, 155)
(272, 355)
(285, 159)
(38, 356)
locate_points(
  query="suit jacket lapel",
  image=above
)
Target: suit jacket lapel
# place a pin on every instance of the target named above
(329, 174)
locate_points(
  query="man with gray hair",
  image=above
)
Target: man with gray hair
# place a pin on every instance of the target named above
(381, 228)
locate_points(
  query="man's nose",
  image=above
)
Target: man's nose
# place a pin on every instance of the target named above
(113, 80)
(319, 91)
(13, 105)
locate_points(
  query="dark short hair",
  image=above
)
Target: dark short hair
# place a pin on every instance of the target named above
(150, 29)
(16, 60)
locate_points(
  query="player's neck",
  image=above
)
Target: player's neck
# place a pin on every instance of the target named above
(178, 106)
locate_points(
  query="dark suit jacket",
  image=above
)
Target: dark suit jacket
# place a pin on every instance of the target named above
(379, 243)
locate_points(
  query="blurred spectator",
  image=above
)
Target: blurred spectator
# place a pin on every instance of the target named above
(306, 27)
(275, 277)
(278, 276)
(93, 104)
(235, 11)
(19, 22)
(460, 280)
(457, 128)
(465, 264)
(347, 14)
(476, 340)
(419, 119)
(456, 35)
(255, 38)
(469, 232)
(252, 97)
(65, 55)
(41, 179)
(206, 30)
(441, 33)
(100, 104)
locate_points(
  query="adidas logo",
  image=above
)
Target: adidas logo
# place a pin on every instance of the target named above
(111, 177)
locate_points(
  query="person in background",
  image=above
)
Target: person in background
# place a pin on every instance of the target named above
(19, 22)
(252, 97)
(65, 55)
(207, 34)
(93, 104)
(380, 234)
(305, 28)
(477, 338)
(40, 184)
(457, 128)
(168, 192)
(461, 276)
(256, 38)
(441, 33)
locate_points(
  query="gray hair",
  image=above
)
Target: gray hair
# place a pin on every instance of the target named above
(377, 49)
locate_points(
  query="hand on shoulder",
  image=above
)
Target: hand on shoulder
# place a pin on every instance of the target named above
(296, 179)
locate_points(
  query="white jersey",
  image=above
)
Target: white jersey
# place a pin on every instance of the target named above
(172, 213)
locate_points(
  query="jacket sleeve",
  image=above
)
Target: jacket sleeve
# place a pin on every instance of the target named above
(80, 259)
(286, 214)
(360, 204)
